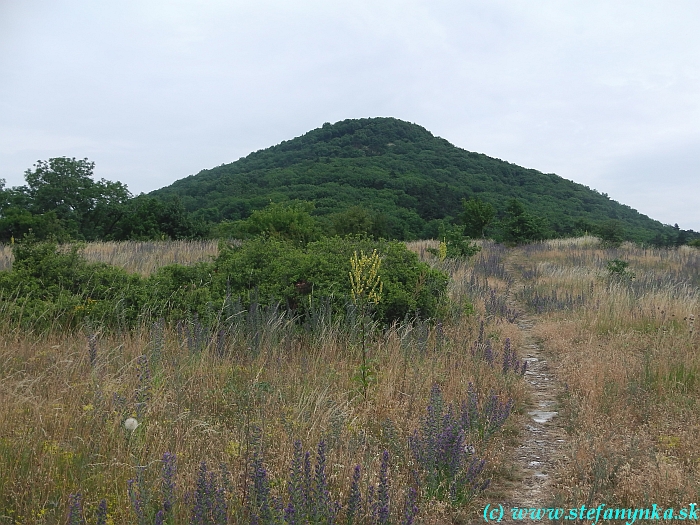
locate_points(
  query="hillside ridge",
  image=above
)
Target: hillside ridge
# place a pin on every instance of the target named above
(401, 170)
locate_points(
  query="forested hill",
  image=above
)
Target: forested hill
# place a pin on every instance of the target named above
(402, 174)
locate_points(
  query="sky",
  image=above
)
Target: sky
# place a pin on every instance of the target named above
(606, 94)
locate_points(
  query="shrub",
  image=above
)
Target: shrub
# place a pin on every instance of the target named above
(618, 270)
(520, 226)
(55, 287)
(287, 221)
(285, 271)
(49, 287)
(454, 244)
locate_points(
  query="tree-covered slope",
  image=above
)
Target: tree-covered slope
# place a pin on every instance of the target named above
(402, 172)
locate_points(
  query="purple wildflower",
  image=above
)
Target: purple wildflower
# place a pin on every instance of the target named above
(354, 498)
(102, 513)
(383, 491)
(75, 509)
(488, 353)
(168, 481)
(410, 507)
(137, 500)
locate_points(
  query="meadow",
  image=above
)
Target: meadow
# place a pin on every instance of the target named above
(620, 326)
(272, 418)
(225, 418)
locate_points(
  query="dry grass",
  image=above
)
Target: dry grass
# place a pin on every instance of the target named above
(61, 416)
(5, 257)
(630, 357)
(138, 257)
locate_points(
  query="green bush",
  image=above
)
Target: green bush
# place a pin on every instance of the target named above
(281, 270)
(51, 287)
(520, 226)
(285, 221)
(456, 245)
(618, 270)
(611, 233)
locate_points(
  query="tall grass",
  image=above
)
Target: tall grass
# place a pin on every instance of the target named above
(629, 353)
(231, 402)
(138, 257)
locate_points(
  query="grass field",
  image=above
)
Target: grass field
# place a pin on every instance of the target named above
(137, 257)
(622, 340)
(626, 346)
(262, 386)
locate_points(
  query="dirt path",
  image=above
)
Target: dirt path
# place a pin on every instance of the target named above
(543, 436)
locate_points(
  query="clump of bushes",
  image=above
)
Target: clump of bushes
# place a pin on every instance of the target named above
(283, 270)
(53, 287)
(50, 287)
(618, 271)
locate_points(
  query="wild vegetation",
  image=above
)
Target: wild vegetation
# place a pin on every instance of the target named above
(333, 409)
(379, 177)
(393, 179)
(62, 202)
(263, 414)
(620, 325)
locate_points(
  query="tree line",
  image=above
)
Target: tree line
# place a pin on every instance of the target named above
(61, 201)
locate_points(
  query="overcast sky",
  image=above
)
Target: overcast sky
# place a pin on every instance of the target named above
(604, 93)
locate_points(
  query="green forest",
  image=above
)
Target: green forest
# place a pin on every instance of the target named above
(381, 177)
(407, 183)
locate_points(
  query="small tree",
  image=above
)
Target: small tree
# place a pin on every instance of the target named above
(64, 186)
(519, 226)
(476, 216)
(611, 232)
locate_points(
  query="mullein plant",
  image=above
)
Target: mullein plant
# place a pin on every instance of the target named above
(366, 286)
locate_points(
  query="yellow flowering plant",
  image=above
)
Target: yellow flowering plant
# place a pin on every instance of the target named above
(365, 281)
(366, 285)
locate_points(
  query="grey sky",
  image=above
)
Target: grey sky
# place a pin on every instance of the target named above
(603, 93)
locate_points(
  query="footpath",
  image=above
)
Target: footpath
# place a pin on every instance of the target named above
(543, 436)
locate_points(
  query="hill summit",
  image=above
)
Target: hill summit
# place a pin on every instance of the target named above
(402, 173)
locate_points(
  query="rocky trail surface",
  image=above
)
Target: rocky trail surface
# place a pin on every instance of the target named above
(542, 437)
